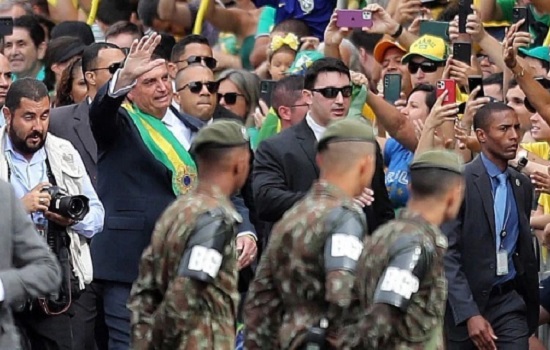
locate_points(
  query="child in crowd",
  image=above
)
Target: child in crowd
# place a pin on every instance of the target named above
(281, 53)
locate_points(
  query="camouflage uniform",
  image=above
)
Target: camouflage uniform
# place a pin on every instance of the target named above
(175, 312)
(384, 327)
(401, 281)
(171, 310)
(291, 290)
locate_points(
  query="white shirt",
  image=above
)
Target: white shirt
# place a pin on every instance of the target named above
(178, 129)
(317, 129)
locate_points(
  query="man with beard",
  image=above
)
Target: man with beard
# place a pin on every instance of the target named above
(5, 82)
(490, 264)
(34, 161)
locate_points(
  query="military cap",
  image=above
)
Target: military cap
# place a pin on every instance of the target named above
(438, 159)
(220, 134)
(347, 130)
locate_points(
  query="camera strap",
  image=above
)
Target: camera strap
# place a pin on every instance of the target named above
(49, 173)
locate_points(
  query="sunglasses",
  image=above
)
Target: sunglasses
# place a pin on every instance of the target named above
(426, 66)
(481, 57)
(112, 68)
(332, 92)
(230, 98)
(196, 86)
(210, 62)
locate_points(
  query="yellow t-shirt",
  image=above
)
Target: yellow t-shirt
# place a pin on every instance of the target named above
(541, 149)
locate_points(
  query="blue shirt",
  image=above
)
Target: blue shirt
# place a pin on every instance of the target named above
(509, 242)
(41, 75)
(2, 118)
(315, 13)
(397, 159)
(27, 174)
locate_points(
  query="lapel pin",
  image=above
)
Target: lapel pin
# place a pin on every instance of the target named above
(518, 183)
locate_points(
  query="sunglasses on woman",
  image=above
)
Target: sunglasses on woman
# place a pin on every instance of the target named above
(112, 68)
(426, 66)
(332, 92)
(230, 98)
(210, 62)
(196, 86)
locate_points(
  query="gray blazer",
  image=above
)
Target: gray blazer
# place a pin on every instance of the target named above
(27, 268)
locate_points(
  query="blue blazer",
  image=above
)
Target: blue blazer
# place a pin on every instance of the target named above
(134, 188)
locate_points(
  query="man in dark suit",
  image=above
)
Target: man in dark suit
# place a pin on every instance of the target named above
(27, 267)
(99, 62)
(285, 167)
(490, 264)
(135, 181)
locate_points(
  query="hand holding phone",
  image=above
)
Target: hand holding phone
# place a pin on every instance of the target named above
(354, 19)
(462, 52)
(266, 89)
(474, 82)
(464, 9)
(449, 86)
(392, 87)
(520, 13)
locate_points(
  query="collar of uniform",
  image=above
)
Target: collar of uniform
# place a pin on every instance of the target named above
(216, 193)
(440, 238)
(323, 188)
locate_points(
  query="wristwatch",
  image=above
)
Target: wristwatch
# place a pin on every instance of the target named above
(522, 163)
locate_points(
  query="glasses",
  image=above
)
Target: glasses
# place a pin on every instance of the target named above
(481, 57)
(196, 86)
(426, 66)
(210, 62)
(299, 105)
(112, 68)
(230, 98)
(332, 92)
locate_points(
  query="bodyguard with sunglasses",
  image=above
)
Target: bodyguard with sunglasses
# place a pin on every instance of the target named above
(195, 49)
(99, 62)
(285, 168)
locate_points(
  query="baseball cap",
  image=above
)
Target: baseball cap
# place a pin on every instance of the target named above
(430, 47)
(541, 53)
(438, 159)
(383, 46)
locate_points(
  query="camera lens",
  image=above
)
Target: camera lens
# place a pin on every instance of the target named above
(76, 207)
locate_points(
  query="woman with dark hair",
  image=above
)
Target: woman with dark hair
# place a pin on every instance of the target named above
(61, 52)
(72, 87)
(396, 157)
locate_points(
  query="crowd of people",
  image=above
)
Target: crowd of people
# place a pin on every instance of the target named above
(258, 174)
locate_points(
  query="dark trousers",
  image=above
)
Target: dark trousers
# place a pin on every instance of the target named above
(44, 332)
(73, 329)
(507, 315)
(90, 320)
(117, 315)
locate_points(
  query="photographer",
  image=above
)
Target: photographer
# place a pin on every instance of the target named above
(47, 173)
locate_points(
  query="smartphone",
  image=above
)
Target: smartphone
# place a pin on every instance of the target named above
(392, 87)
(266, 89)
(520, 13)
(462, 52)
(464, 9)
(6, 26)
(450, 86)
(435, 28)
(473, 82)
(354, 19)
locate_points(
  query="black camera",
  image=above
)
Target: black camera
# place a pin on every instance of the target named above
(73, 207)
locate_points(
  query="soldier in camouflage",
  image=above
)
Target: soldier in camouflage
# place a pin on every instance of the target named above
(304, 280)
(400, 275)
(186, 294)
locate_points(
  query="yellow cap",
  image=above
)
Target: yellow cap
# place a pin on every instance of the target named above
(430, 47)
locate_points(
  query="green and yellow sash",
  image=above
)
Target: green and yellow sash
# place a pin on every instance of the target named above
(165, 148)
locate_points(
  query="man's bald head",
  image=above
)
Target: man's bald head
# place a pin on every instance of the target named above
(5, 78)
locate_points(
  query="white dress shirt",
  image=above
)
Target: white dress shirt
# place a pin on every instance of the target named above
(317, 129)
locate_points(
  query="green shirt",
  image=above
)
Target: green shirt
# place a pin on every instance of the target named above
(266, 22)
